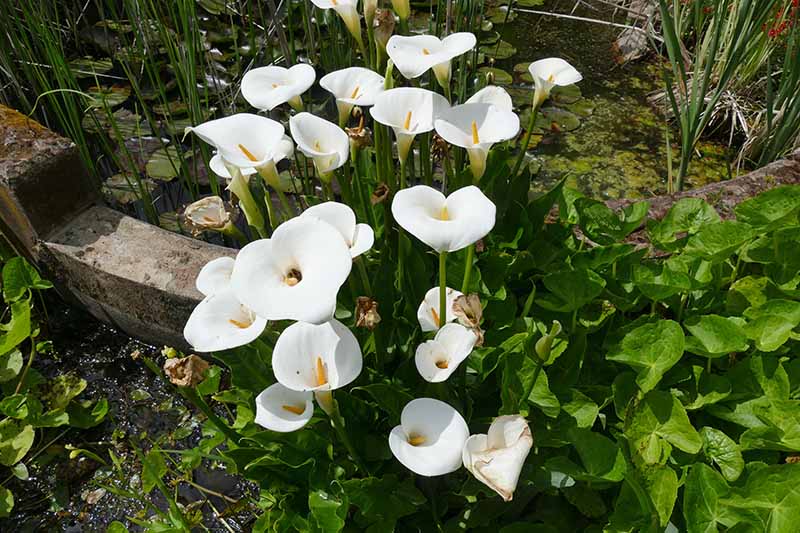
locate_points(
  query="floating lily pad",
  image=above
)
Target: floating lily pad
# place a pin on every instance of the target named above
(487, 25)
(501, 50)
(109, 96)
(215, 7)
(583, 107)
(88, 67)
(530, 3)
(114, 25)
(499, 76)
(555, 119)
(565, 95)
(175, 107)
(521, 71)
(520, 96)
(123, 189)
(170, 221)
(164, 164)
(491, 38)
(497, 15)
(128, 124)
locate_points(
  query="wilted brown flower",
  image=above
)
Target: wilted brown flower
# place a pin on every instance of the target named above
(380, 194)
(480, 246)
(383, 26)
(186, 371)
(367, 313)
(359, 136)
(793, 459)
(208, 214)
(439, 148)
(469, 313)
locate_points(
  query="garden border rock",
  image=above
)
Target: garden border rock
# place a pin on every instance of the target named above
(140, 278)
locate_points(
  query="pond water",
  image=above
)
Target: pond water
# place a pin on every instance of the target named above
(619, 149)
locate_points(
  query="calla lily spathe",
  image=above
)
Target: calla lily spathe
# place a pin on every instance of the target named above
(309, 357)
(430, 437)
(217, 166)
(414, 56)
(438, 358)
(244, 140)
(266, 88)
(282, 149)
(221, 322)
(325, 142)
(294, 275)
(408, 111)
(215, 276)
(284, 410)
(445, 224)
(354, 86)
(477, 127)
(347, 10)
(428, 311)
(553, 71)
(358, 237)
(496, 458)
(492, 94)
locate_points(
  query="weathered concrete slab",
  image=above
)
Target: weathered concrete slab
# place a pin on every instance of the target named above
(43, 183)
(137, 277)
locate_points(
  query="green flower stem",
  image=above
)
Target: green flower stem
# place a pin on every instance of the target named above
(338, 423)
(273, 223)
(529, 301)
(538, 98)
(442, 288)
(235, 233)
(240, 187)
(425, 159)
(362, 272)
(402, 174)
(284, 203)
(468, 268)
(190, 394)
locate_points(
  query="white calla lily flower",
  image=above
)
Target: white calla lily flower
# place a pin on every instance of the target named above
(496, 458)
(266, 88)
(408, 111)
(295, 274)
(282, 149)
(244, 140)
(215, 276)
(445, 224)
(492, 94)
(354, 86)
(477, 127)
(221, 322)
(430, 437)
(438, 358)
(414, 56)
(553, 71)
(358, 237)
(284, 410)
(325, 142)
(347, 10)
(217, 166)
(309, 357)
(428, 311)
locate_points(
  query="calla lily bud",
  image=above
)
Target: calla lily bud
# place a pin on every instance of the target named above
(383, 27)
(496, 458)
(208, 214)
(186, 371)
(367, 313)
(402, 8)
(370, 6)
(545, 344)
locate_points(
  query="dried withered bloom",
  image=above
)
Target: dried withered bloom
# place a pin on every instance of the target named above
(439, 148)
(380, 194)
(367, 313)
(480, 246)
(208, 214)
(360, 136)
(186, 371)
(469, 313)
(793, 459)
(383, 26)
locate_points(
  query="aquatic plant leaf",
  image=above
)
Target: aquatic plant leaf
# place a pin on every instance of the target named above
(716, 242)
(723, 451)
(6, 502)
(164, 164)
(498, 76)
(10, 365)
(769, 500)
(570, 290)
(565, 94)
(18, 328)
(18, 277)
(122, 188)
(154, 467)
(661, 483)
(651, 349)
(658, 281)
(110, 97)
(705, 389)
(328, 511)
(499, 50)
(89, 67)
(497, 15)
(16, 438)
(659, 419)
(382, 501)
(769, 332)
(701, 499)
(686, 216)
(87, 413)
(556, 120)
(770, 208)
(390, 398)
(716, 335)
